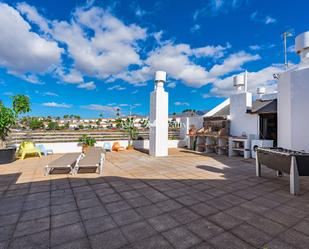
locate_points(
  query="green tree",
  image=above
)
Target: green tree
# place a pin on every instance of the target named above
(119, 123)
(8, 116)
(53, 125)
(35, 124)
(21, 104)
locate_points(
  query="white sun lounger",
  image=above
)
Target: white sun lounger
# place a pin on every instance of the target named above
(94, 157)
(67, 161)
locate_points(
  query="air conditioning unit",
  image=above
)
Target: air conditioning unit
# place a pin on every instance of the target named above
(260, 143)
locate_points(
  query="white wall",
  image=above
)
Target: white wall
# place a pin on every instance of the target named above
(186, 122)
(293, 109)
(73, 146)
(144, 144)
(241, 121)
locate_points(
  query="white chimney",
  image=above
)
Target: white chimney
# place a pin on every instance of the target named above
(293, 101)
(158, 144)
(260, 92)
(240, 82)
(302, 46)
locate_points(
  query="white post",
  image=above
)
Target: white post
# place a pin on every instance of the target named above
(158, 144)
(294, 177)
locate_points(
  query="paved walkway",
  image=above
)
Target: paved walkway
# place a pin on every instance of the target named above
(182, 201)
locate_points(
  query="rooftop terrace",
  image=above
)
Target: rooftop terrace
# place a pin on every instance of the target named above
(186, 200)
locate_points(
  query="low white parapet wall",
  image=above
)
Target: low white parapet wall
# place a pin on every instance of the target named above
(144, 144)
(71, 147)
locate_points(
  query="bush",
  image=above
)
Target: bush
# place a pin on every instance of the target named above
(53, 125)
(35, 124)
(87, 140)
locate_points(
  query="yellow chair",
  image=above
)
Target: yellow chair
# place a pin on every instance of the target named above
(27, 148)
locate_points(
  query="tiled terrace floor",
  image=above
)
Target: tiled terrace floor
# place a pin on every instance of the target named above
(181, 201)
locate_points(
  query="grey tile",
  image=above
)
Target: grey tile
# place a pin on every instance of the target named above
(111, 239)
(86, 203)
(99, 225)
(297, 239)
(187, 200)
(68, 233)
(163, 222)
(63, 208)
(225, 221)
(137, 231)
(110, 198)
(65, 219)
(32, 226)
(33, 241)
(115, 207)
(227, 240)
(204, 228)
(302, 227)
(204, 209)
(9, 219)
(35, 214)
(241, 213)
(181, 238)
(278, 244)
(78, 244)
(168, 205)
(184, 215)
(251, 235)
(270, 227)
(93, 212)
(126, 217)
(6, 232)
(139, 202)
(154, 242)
(149, 211)
(284, 219)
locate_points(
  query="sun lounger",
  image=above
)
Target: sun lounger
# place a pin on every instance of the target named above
(67, 161)
(94, 158)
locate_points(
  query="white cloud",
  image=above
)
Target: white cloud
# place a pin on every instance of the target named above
(33, 15)
(52, 94)
(106, 109)
(255, 47)
(116, 87)
(211, 51)
(263, 77)
(269, 20)
(171, 85)
(111, 48)
(232, 63)
(73, 76)
(21, 50)
(195, 28)
(175, 60)
(88, 86)
(177, 103)
(255, 16)
(57, 105)
(214, 7)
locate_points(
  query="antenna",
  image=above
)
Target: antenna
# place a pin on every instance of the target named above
(285, 35)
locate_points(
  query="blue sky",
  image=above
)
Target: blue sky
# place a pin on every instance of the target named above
(90, 57)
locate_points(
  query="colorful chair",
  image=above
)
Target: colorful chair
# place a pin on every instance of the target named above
(43, 150)
(107, 146)
(117, 147)
(27, 148)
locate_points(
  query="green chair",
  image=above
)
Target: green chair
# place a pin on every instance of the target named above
(27, 148)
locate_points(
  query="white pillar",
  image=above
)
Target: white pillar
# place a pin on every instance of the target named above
(158, 144)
